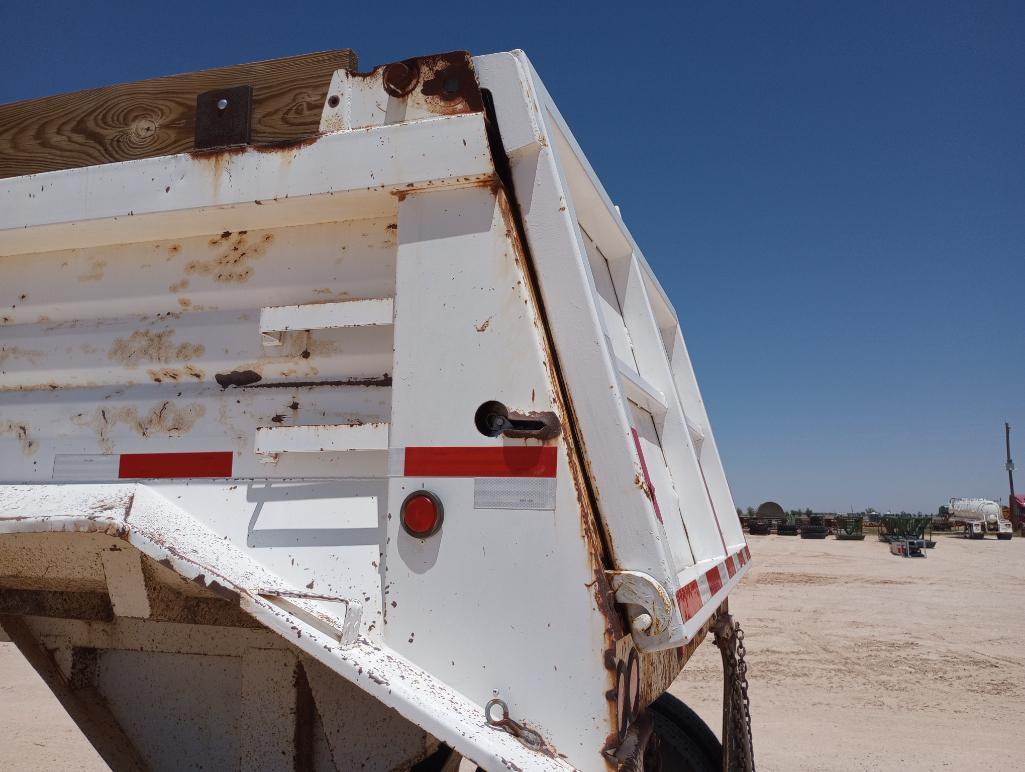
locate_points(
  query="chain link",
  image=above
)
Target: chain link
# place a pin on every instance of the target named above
(738, 747)
(742, 679)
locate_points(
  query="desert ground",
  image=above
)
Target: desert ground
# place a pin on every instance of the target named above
(859, 660)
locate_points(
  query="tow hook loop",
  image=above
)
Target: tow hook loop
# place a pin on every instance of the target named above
(530, 738)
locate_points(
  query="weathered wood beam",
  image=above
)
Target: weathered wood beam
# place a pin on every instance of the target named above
(157, 117)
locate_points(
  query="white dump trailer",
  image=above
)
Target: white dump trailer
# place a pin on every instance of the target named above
(979, 516)
(343, 425)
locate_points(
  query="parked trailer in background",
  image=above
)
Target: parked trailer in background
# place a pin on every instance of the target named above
(344, 425)
(979, 517)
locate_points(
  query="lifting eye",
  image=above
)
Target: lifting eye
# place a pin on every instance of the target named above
(493, 419)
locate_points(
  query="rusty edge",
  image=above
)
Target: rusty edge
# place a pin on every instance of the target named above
(433, 73)
(587, 495)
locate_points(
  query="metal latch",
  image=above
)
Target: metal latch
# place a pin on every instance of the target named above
(224, 117)
(493, 419)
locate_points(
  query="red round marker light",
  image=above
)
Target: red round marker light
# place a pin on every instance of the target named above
(422, 514)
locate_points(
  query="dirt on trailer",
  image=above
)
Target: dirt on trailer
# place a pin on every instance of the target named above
(863, 660)
(859, 660)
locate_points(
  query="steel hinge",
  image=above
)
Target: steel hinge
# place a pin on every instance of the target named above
(224, 118)
(649, 607)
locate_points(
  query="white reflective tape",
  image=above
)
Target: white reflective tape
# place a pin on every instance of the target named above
(536, 493)
(396, 462)
(706, 593)
(86, 467)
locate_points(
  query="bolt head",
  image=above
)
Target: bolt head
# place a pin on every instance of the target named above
(641, 622)
(222, 104)
(399, 79)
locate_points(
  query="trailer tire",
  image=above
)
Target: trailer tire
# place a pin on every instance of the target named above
(686, 742)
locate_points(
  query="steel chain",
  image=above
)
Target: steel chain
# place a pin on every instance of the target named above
(742, 680)
(739, 747)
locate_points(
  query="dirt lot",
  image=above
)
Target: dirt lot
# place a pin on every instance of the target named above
(859, 661)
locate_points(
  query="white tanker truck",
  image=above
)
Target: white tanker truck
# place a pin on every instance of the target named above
(979, 516)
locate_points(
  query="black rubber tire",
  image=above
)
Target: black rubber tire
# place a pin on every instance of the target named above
(1004, 536)
(687, 744)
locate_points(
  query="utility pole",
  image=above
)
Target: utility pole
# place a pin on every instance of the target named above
(1015, 514)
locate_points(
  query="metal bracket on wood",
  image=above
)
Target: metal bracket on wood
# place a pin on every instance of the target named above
(224, 118)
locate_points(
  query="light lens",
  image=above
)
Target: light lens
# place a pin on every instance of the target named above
(421, 514)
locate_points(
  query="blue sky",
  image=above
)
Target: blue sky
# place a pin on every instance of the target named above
(833, 195)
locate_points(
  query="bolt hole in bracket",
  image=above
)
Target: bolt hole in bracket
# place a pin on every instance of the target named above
(493, 419)
(224, 118)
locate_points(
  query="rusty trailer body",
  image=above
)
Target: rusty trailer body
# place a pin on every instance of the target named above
(311, 451)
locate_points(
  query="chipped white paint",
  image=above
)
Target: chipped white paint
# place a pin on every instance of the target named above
(341, 309)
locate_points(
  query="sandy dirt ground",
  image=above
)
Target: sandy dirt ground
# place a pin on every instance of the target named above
(859, 661)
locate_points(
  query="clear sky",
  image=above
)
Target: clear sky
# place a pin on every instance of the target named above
(832, 193)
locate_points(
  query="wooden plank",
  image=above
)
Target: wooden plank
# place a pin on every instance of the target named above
(157, 117)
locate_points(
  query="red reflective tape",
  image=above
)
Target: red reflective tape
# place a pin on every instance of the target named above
(154, 466)
(647, 477)
(731, 567)
(688, 598)
(714, 579)
(504, 461)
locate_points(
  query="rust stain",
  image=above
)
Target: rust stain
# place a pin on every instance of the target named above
(16, 352)
(235, 253)
(178, 286)
(384, 380)
(483, 326)
(443, 84)
(165, 419)
(285, 145)
(159, 375)
(145, 346)
(450, 84)
(95, 272)
(20, 432)
(588, 500)
(237, 378)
